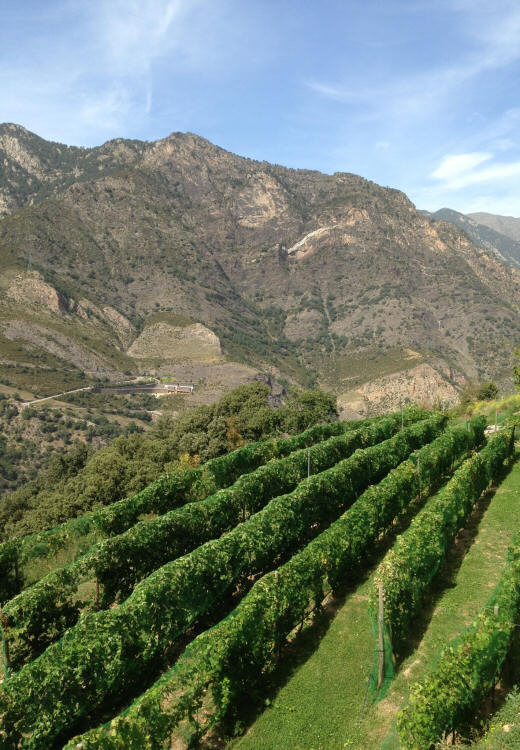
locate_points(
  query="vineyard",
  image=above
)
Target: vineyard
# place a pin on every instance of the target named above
(151, 622)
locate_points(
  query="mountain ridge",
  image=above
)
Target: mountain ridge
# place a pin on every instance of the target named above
(300, 275)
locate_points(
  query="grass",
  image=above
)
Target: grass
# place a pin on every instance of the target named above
(352, 369)
(320, 699)
(502, 409)
(504, 731)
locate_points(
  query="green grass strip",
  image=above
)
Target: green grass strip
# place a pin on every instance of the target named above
(466, 670)
(408, 569)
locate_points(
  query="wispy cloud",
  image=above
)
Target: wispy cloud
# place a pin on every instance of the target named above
(96, 76)
(491, 44)
(131, 34)
(460, 171)
(455, 165)
(336, 92)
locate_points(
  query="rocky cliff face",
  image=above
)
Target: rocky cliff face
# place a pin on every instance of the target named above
(292, 271)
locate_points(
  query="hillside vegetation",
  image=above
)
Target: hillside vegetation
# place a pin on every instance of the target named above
(77, 481)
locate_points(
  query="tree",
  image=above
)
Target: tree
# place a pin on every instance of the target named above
(306, 408)
(516, 368)
(487, 391)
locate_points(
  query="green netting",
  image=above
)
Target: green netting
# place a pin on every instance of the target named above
(5, 654)
(467, 669)
(378, 683)
(409, 568)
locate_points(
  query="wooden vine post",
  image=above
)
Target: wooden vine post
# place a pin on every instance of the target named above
(419, 474)
(308, 462)
(381, 637)
(5, 645)
(97, 582)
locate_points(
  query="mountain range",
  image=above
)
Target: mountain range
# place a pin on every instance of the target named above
(176, 257)
(482, 229)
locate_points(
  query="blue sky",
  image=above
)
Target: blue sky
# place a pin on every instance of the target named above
(423, 96)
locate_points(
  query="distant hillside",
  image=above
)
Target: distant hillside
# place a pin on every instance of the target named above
(508, 225)
(279, 273)
(483, 235)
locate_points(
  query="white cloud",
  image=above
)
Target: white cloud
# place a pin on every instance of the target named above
(335, 92)
(131, 34)
(107, 109)
(460, 171)
(452, 166)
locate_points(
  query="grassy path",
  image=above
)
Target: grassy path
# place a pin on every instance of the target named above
(321, 702)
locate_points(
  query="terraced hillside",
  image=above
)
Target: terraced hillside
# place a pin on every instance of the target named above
(150, 623)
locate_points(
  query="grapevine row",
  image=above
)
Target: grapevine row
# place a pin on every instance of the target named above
(225, 661)
(106, 656)
(41, 614)
(409, 567)
(162, 495)
(467, 669)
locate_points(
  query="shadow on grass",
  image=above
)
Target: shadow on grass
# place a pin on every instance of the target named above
(305, 642)
(445, 578)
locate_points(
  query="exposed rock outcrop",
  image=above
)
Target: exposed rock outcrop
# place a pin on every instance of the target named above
(30, 288)
(419, 385)
(161, 340)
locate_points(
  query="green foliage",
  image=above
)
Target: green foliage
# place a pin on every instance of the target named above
(224, 663)
(107, 654)
(467, 668)
(409, 567)
(161, 496)
(516, 368)
(487, 391)
(134, 460)
(304, 408)
(41, 613)
(504, 729)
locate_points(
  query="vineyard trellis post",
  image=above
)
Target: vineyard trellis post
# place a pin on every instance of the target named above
(97, 581)
(308, 462)
(381, 637)
(5, 645)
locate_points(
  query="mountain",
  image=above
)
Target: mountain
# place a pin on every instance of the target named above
(506, 225)
(483, 235)
(178, 257)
